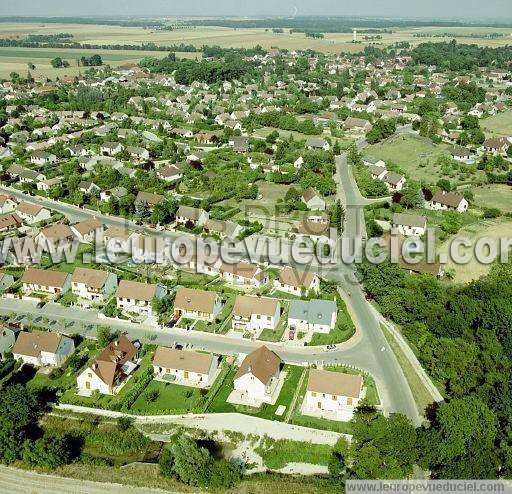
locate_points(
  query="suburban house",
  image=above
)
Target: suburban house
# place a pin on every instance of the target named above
(357, 124)
(137, 297)
(496, 145)
(149, 198)
(93, 284)
(317, 143)
(184, 367)
(138, 153)
(394, 181)
(296, 282)
(255, 314)
(118, 240)
(313, 200)
(45, 281)
(42, 158)
(87, 187)
(332, 394)
(111, 368)
(243, 273)
(223, 229)
(57, 235)
(191, 217)
(111, 148)
(10, 221)
(7, 204)
(86, 230)
(318, 316)
(447, 200)
(257, 377)
(410, 224)
(169, 173)
(42, 348)
(32, 213)
(460, 153)
(191, 303)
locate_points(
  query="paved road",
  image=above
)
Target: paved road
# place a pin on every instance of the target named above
(15, 481)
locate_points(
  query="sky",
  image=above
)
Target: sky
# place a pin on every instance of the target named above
(454, 9)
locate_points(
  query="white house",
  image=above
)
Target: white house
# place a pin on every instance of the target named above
(93, 284)
(7, 204)
(296, 282)
(243, 274)
(333, 395)
(410, 224)
(394, 181)
(317, 143)
(137, 297)
(318, 316)
(258, 376)
(117, 240)
(32, 213)
(192, 303)
(42, 348)
(255, 313)
(86, 230)
(184, 367)
(447, 200)
(191, 217)
(313, 200)
(111, 148)
(45, 281)
(110, 369)
(42, 158)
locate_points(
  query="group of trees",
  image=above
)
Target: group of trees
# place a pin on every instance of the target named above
(93, 61)
(382, 129)
(284, 121)
(462, 336)
(58, 63)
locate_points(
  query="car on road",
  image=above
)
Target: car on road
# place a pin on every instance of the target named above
(330, 348)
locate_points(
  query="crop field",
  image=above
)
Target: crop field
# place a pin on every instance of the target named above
(499, 125)
(494, 196)
(248, 38)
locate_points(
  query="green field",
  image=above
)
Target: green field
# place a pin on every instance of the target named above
(493, 196)
(499, 125)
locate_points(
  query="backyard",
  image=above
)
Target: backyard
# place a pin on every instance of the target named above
(499, 124)
(493, 196)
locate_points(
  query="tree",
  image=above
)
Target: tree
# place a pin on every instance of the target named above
(142, 210)
(50, 451)
(412, 196)
(105, 336)
(18, 410)
(444, 184)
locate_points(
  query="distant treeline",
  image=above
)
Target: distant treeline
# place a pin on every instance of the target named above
(460, 35)
(332, 24)
(87, 20)
(454, 56)
(26, 43)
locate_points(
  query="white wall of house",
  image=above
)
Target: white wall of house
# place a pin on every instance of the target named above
(410, 230)
(88, 381)
(252, 386)
(257, 322)
(87, 293)
(342, 406)
(188, 376)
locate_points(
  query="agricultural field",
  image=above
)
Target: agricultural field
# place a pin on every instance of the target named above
(499, 124)
(16, 60)
(473, 270)
(248, 38)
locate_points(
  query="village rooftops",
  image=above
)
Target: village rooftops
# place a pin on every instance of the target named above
(334, 383)
(170, 358)
(28, 208)
(262, 364)
(87, 226)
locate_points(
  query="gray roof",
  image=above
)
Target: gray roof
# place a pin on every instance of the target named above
(312, 311)
(412, 220)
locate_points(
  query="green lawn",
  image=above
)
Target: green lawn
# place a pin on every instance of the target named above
(275, 335)
(172, 398)
(266, 411)
(500, 124)
(493, 196)
(277, 454)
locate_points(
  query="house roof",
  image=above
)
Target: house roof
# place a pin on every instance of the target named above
(262, 364)
(171, 358)
(189, 212)
(118, 233)
(447, 198)
(228, 228)
(412, 220)
(136, 290)
(315, 142)
(311, 193)
(242, 269)
(32, 344)
(92, 278)
(109, 362)
(293, 277)
(149, 197)
(192, 299)
(334, 383)
(393, 178)
(28, 208)
(44, 277)
(57, 232)
(246, 305)
(312, 311)
(87, 226)
(10, 220)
